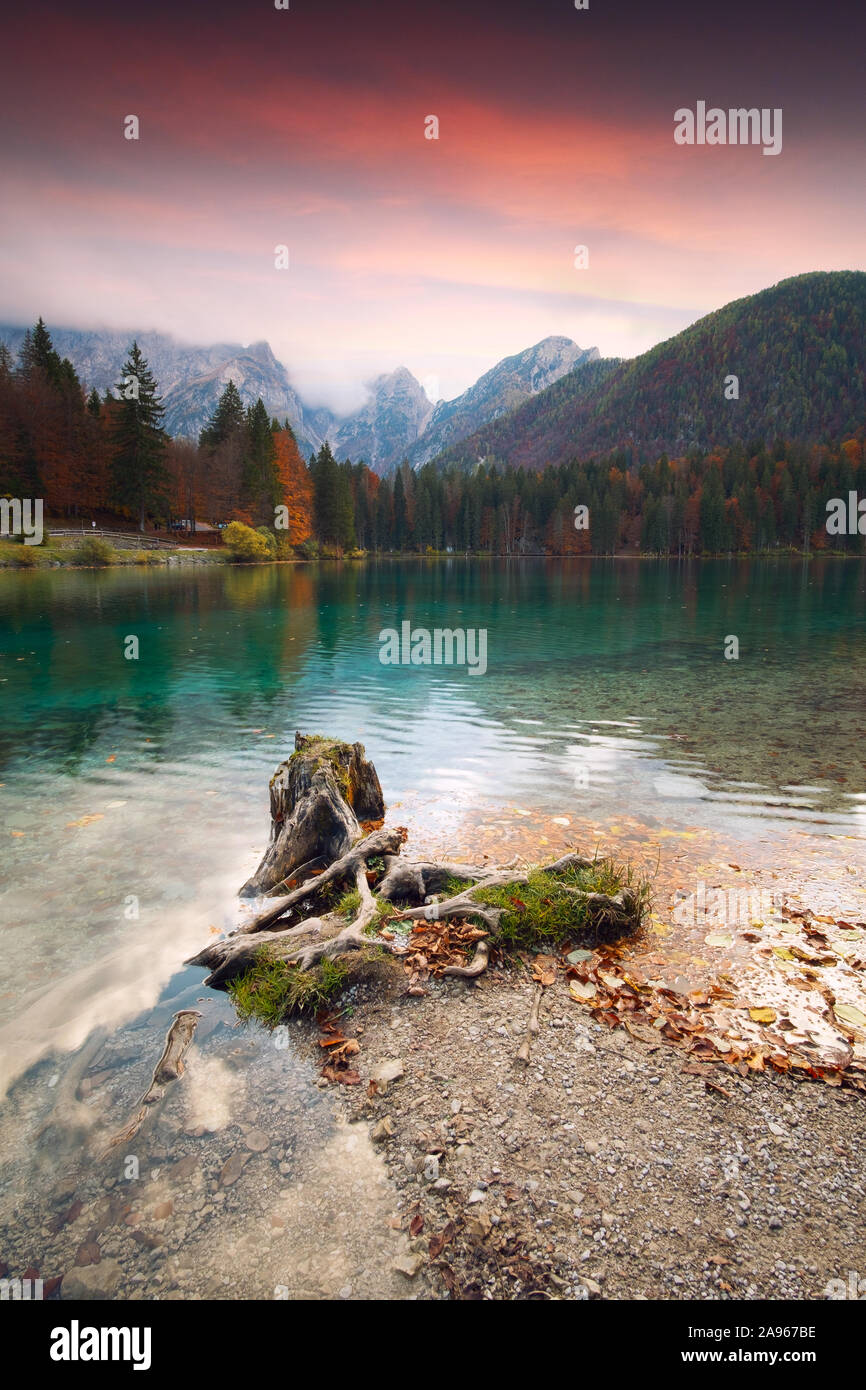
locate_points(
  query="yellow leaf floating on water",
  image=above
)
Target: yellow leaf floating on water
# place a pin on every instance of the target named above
(849, 1014)
(783, 953)
(762, 1015)
(718, 939)
(85, 820)
(19, 834)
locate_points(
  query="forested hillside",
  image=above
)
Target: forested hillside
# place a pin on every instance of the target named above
(798, 351)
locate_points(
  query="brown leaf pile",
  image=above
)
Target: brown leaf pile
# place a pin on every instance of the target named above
(433, 946)
(339, 1050)
(657, 1015)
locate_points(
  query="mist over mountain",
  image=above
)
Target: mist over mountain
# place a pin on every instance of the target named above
(397, 421)
(383, 430)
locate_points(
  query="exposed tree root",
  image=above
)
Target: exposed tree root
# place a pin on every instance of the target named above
(407, 881)
(476, 967)
(524, 1053)
(238, 953)
(352, 937)
(380, 842)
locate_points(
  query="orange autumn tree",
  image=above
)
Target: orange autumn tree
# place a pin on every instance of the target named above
(295, 484)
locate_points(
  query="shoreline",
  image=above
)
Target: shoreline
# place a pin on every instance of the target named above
(61, 557)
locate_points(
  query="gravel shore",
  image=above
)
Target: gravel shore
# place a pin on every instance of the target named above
(603, 1169)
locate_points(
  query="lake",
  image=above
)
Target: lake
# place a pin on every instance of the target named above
(133, 792)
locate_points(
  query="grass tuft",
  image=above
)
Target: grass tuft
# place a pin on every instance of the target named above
(541, 912)
(272, 990)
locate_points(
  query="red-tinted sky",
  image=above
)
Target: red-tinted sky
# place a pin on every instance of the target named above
(306, 127)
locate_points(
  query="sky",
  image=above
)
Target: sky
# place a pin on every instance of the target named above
(305, 128)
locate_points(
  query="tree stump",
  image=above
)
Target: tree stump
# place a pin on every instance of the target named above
(319, 797)
(327, 837)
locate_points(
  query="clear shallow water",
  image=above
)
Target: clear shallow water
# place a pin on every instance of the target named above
(134, 793)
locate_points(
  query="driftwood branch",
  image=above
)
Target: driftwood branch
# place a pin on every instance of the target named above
(168, 1068)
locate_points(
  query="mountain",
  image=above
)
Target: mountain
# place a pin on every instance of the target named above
(399, 422)
(500, 390)
(798, 350)
(256, 372)
(383, 430)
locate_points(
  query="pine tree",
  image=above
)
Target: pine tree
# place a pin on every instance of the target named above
(138, 472)
(37, 351)
(227, 419)
(713, 521)
(25, 354)
(323, 467)
(43, 353)
(260, 485)
(401, 523)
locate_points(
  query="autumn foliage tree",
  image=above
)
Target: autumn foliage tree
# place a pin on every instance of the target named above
(295, 486)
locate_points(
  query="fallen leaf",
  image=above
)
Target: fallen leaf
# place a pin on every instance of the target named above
(849, 1014)
(713, 1085)
(762, 1015)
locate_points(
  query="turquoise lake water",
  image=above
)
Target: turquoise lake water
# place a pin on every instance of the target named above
(134, 796)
